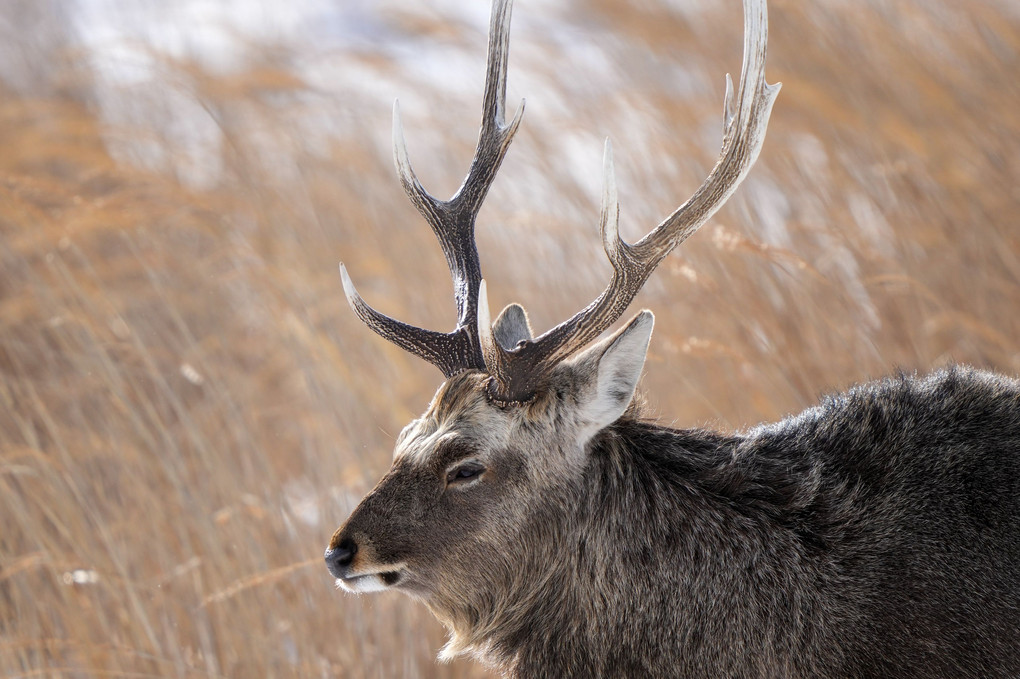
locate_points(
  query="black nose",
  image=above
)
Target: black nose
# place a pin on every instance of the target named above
(340, 557)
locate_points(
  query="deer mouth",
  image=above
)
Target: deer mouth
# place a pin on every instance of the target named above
(370, 582)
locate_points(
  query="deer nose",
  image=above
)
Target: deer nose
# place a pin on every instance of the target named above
(340, 557)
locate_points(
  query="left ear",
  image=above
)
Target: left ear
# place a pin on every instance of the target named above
(608, 374)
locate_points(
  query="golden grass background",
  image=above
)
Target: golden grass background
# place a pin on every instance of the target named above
(188, 409)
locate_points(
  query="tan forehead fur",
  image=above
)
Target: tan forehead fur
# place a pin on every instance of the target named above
(458, 394)
(460, 407)
(459, 404)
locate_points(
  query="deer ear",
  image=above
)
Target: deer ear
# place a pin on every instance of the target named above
(608, 373)
(511, 326)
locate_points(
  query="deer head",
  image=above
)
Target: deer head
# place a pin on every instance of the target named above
(476, 479)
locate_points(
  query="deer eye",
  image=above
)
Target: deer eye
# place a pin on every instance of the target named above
(465, 471)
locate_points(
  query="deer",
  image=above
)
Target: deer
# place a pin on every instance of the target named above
(558, 531)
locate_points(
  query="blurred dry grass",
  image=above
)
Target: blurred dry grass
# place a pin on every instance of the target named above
(189, 409)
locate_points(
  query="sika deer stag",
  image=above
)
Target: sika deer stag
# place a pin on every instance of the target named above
(558, 534)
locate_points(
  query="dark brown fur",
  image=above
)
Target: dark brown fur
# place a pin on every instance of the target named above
(876, 535)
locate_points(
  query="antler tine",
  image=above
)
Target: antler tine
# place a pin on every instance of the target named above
(516, 372)
(453, 220)
(495, 135)
(427, 204)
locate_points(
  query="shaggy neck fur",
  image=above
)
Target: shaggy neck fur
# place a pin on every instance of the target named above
(710, 544)
(692, 554)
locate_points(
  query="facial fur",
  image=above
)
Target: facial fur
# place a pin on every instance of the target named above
(452, 522)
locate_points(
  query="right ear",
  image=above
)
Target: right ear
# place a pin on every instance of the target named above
(607, 374)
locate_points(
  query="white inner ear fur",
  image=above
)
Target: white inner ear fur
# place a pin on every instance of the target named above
(609, 373)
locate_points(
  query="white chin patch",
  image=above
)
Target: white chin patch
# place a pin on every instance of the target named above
(362, 584)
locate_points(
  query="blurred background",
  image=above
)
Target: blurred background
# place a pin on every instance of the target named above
(188, 409)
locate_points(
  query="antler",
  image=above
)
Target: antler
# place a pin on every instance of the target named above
(453, 220)
(516, 371)
(515, 361)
